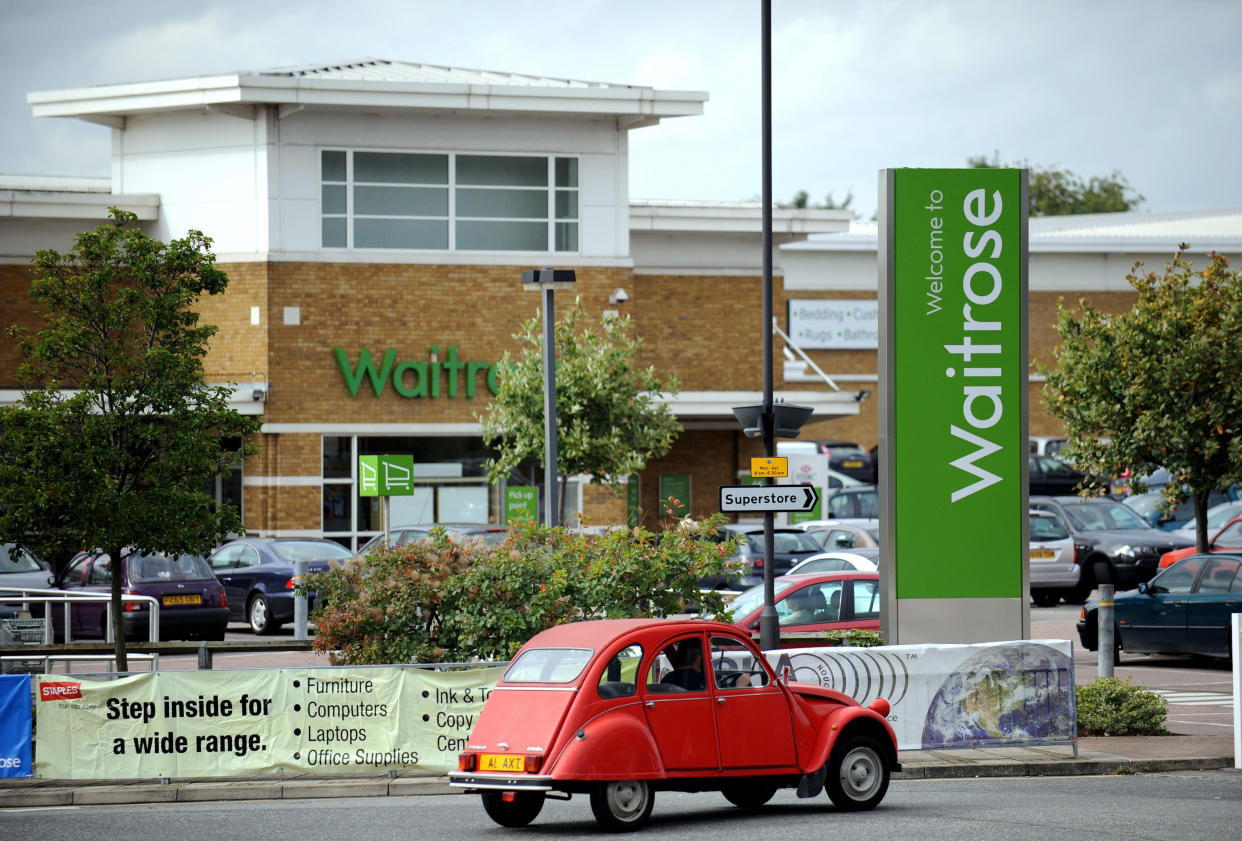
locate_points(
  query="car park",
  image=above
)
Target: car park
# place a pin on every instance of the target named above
(608, 709)
(192, 602)
(1184, 610)
(858, 503)
(1228, 539)
(1217, 517)
(744, 568)
(1053, 477)
(841, 534)
(20, 570)
(1055, 573)
(1113, 544)
(457, 532)
(1149, 507)
(258, 575)
(815, 602)
(865, 558)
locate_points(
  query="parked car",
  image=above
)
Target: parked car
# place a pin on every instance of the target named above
(1046, 445)
(1053, 477)
(258, 576)
(744, 569)
(1183, 610)
(595, 708)
(848, 463)
(865, 558)
(459, 532)
(1228, 539)
(1217, 517)
(859, 503)
(1113, 544)
(192, 601)
(1147, 505)
(841, 534)
(1055, 573)
(21, 570)
(817, 601)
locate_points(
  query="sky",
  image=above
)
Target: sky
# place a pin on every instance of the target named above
(1152, 90)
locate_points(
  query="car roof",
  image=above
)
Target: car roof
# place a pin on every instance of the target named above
(597, 633)
(812, 577)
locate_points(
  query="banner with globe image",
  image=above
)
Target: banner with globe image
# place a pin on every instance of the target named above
(953, 696)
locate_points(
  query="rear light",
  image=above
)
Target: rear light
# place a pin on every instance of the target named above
(291, 583)
(132, 606)
(466, 761)
(532, 763)
(757, 563)
(224, 599)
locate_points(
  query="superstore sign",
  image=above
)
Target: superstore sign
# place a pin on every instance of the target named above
(960, 380)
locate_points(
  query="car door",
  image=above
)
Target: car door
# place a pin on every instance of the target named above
(88, 574)
(1217, 594)
(1156, 620)
(752, 715)
(681, 720)
(241, 579)
(1230, 537)
(224, 563)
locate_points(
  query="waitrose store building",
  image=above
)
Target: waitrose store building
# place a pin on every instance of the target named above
(374, 219)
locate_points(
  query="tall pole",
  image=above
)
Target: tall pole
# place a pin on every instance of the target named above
(769, 629)
(552, 506)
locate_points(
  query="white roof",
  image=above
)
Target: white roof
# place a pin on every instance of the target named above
(1134, 232)
(734, 217)
(53, 197)
(371, 84)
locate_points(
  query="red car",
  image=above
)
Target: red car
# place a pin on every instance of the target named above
(618, 709)
(1228, 539)
(816, 601)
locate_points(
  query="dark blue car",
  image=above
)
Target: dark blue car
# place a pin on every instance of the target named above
(258, 575)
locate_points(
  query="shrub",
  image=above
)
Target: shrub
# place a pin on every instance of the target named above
(1110, 707)
(439, 601)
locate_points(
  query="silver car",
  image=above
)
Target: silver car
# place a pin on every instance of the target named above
(1054, 562)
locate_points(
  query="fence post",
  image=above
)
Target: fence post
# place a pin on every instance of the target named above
(204, 656)
(1104, 633)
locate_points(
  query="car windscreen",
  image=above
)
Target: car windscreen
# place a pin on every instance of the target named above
(1103, 515)
(1047, 528)
(548, 665)
(310, 550)
(751, 600)
(785, 542)
(13, 559)
(151, 569)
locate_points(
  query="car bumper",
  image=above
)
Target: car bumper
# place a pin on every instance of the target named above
(503, 782)
(183, 623)
(282, 605)
(1054, 576)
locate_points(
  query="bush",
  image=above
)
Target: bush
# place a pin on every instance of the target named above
(440, 601)
(1110, 707)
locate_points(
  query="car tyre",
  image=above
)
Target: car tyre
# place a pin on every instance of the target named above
(858, 774)
(521, 810)
(622, 805)
(259, 615)
(1046, 598)
(749, 795)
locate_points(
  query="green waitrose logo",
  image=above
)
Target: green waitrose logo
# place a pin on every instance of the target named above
(960, 382)
(430, 377)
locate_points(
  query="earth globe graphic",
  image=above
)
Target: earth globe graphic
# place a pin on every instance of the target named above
(1003, 694)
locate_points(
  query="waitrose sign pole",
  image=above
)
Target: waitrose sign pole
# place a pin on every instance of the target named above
(953, 405)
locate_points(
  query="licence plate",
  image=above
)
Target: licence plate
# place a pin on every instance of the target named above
(851, 464)
(501, 762)
(1043, 553)
(187, 598)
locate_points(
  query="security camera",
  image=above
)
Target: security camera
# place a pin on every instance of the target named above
(618, 296)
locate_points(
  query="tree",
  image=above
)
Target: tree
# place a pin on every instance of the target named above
(608, 422)
(1160, 384)
(117, 435)
(802, 200)
(1059, 192)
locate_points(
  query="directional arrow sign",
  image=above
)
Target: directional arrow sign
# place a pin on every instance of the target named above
(743, 498)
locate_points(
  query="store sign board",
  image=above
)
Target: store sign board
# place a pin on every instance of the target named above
(521, 503)
(741, 499)
(415, 378)
(834, 324)
(386, 475)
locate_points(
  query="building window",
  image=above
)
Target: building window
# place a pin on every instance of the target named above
(448, 202)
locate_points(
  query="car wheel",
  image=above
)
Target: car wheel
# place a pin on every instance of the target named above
(519, 810)
(857, 774)
(623, 805)
(1102, 572)
(259, 615)
(1045, 598)
(749, 794)
(1080, 593)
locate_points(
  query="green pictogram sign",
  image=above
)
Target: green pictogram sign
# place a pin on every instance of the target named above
(386, 475)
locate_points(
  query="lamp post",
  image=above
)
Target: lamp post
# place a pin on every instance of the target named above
(547, 281)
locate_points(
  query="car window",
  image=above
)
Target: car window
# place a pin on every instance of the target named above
(794, 541)
(548, 665)
(620, 676)
(247, 557)
(13, 559)
(824, 565)
(224, 558)
(1101, 515)
(310, 550)
(751, 600)
(149, 569)
(812, 604)
(866, 599)
(1230, 535)
(1178, 578)
(74, 575)
(1219, 576)
(678, 668)
(101, 572)
(840, 539)
(1047, 528)
(733, 666)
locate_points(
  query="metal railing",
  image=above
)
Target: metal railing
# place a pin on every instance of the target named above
(24, 598)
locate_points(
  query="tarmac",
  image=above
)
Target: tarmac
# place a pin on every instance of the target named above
(1102, 755)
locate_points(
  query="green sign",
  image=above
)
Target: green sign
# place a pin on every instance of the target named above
(521, 503)
(385, 475)
(958, 394)
(633, 501)
(416, 377)
(815, 513)
(675, 495)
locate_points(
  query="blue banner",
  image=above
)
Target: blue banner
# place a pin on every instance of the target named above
(15, 726)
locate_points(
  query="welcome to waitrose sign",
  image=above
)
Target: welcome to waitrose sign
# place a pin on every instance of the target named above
(432, 377)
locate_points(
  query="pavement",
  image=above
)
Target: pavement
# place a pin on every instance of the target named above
(1095, 756)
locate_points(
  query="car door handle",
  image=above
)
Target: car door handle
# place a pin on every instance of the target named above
(649, 704)
(720, 699)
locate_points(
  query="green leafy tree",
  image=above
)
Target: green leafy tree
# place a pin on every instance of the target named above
(117, 435)
(1160, 384)
(439, 601)
(608, 421)
(1059, 192)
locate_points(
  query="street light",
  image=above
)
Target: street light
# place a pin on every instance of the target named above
(547, 281)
